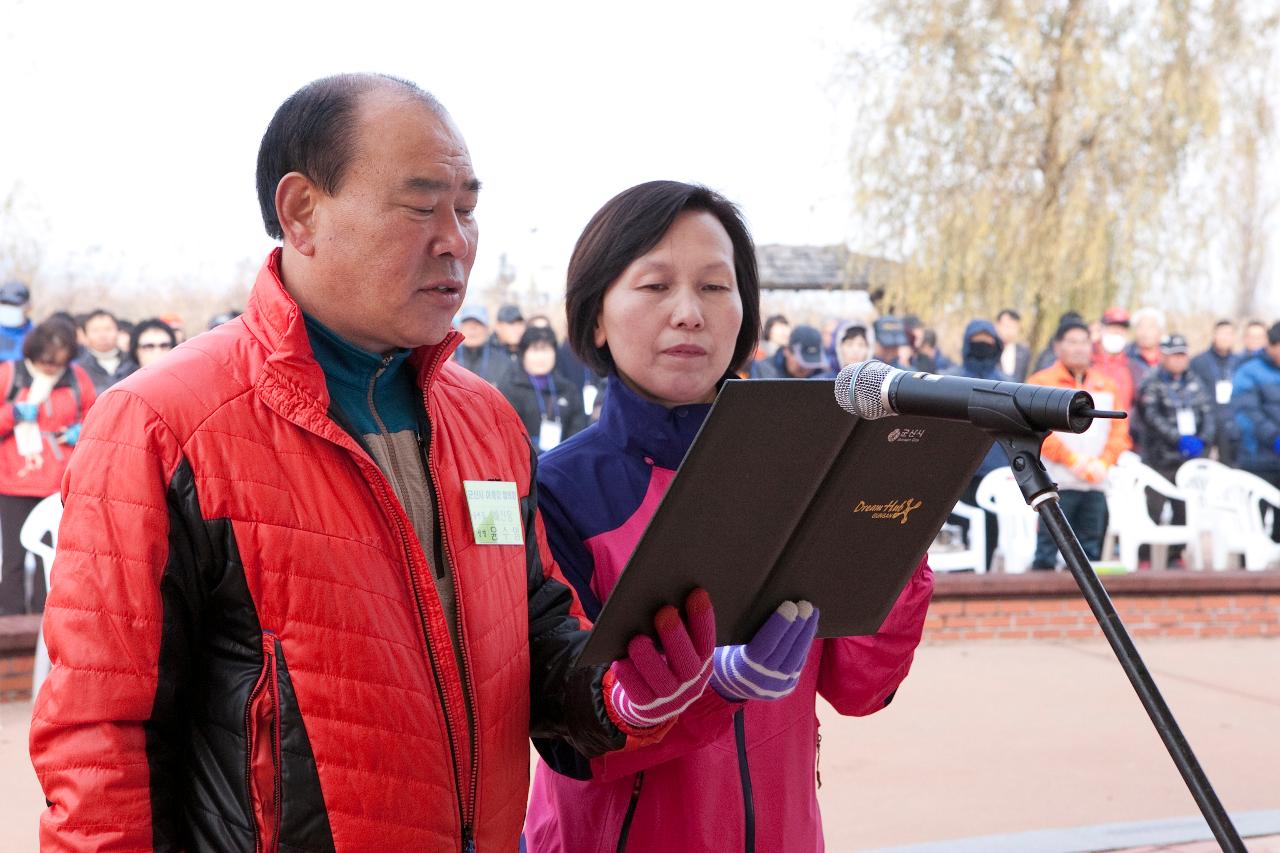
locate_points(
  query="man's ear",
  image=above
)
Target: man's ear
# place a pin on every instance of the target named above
(296, 201)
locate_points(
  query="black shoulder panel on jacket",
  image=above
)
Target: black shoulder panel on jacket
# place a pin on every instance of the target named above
(568, 720)
(211, 656)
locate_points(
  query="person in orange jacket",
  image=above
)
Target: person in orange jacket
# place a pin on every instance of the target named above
(1079, 463)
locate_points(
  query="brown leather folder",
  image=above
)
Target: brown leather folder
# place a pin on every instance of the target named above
(784, 495)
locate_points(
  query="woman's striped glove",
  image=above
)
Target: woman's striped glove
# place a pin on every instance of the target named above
(649, 687)
(769, 666)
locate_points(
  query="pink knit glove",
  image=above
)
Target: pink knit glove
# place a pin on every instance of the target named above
(651, 688)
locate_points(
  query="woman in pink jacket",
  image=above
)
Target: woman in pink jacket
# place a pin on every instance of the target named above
(663, 296)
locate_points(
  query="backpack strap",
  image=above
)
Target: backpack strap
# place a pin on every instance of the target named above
(16, 378)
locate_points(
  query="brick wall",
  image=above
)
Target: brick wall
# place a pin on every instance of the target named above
(1151, 604)
(17, 647)
(1034, 606)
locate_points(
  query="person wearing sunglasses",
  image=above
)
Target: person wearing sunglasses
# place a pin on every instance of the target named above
(45, 398)
(152, 339)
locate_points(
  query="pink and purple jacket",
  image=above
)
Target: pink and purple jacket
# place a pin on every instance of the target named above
(729, 776)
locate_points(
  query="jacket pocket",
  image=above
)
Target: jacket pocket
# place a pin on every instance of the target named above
(262, 750)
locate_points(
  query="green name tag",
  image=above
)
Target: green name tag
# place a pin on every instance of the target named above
(495, 512)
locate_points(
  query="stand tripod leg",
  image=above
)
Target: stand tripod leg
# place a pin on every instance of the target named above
(1100, 603)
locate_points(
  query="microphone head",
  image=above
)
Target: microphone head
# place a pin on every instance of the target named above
(860, 389)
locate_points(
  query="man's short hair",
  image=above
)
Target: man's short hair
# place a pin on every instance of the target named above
(1221, 323)
(1273, 334)
(95, 314)
(1067, 325)
(314, 133)
(1008, 312)
(629, 225)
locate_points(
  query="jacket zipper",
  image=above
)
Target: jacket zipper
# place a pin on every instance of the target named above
(465, 804)
(748, 802)
(468, 809)
(267, 683)
(631, 812)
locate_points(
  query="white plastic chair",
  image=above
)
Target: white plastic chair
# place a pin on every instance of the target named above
(999, 493)
(1130, 524)
(43, 521)
(973, 557)
(1244, 509)
(1201, 480)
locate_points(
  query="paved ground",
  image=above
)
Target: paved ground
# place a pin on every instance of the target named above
(990, 739)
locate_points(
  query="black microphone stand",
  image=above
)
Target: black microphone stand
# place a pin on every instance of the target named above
(1023, 447)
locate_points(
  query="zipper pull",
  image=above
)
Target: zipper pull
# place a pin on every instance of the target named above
(468, 841)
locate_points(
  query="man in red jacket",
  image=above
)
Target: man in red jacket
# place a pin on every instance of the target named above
(303, 599)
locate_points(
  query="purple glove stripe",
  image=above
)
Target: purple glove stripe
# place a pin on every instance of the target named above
(738, 676)
(757, 688)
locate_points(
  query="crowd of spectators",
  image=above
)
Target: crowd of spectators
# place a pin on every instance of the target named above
(1222, 403)
(51, 374)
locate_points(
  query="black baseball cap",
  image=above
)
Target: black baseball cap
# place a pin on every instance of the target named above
(510, 314)
(14, 293)
(1174, 344)
(891, 332)
(806, 345)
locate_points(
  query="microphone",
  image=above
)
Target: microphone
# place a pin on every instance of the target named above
(873, 389)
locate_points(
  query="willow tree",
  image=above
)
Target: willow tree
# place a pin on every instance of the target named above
(1030, 152)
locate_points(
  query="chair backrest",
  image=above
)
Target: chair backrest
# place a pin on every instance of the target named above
(1257, 495)
(1195, 478)
(1126, 494)
(998, 492)
(41, 522)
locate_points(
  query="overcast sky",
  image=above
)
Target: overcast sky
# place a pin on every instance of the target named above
(132, 128)
(136, 131)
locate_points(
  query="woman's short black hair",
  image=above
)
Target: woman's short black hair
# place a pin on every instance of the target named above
(630, 224)
(774, 320)
(53, 335)
(314, 133)
(536, 335)
(146, 326)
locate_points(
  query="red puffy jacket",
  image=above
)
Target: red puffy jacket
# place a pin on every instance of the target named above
(68, 402)
(248, 652)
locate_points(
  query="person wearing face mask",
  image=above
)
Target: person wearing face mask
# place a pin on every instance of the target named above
(980, 359)
(548, 402)
(663, 295)
(15, 301)
(45, 398)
